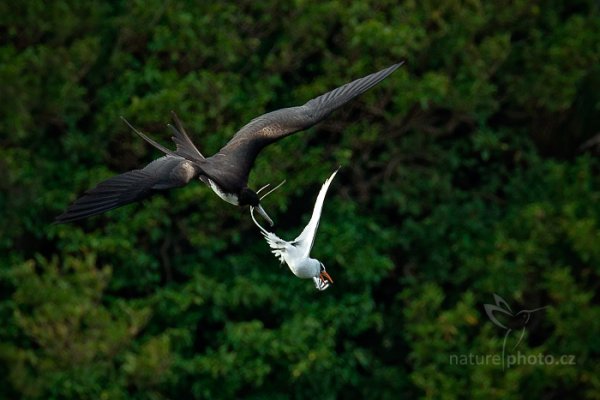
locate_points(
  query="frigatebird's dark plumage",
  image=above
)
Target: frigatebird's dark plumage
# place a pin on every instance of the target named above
(225, 172)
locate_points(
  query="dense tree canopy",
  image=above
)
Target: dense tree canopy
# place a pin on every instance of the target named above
(462, 176)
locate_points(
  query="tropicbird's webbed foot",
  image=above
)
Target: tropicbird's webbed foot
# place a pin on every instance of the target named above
(320, 284)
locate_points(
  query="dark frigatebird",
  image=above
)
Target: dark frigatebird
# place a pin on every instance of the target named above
(225, 172)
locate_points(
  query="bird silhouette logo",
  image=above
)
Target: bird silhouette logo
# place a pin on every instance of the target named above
(511, 321)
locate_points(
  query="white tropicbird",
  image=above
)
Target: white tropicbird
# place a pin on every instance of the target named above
(296, 253)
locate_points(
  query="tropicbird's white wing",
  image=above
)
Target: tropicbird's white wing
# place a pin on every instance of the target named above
(305, 240)
(280, 248)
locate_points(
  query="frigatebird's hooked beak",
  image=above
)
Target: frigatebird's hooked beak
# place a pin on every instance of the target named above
(261, 210)
(264, 214)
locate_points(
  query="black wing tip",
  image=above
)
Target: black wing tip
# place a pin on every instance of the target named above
(72, 215)
(65, 218)
(63, 221)
(393, 67)
(78, 215)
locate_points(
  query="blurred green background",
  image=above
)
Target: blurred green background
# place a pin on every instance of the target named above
(462, 176)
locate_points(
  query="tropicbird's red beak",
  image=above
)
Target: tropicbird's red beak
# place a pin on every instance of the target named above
(325, 277)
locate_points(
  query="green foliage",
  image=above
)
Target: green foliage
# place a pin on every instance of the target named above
(460, 178)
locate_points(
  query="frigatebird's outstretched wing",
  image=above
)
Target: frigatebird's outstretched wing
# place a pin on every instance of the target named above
(112, 193)
(161, 174)
(264, 130)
